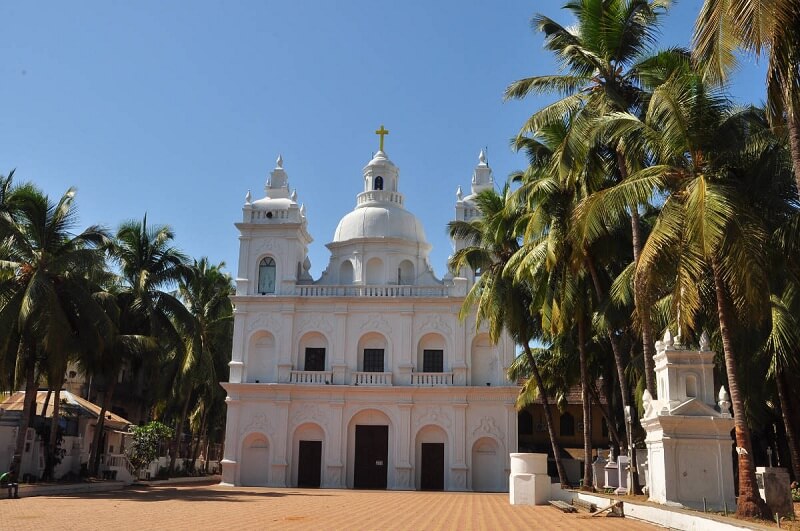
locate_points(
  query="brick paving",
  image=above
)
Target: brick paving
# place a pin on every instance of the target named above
(197, 507)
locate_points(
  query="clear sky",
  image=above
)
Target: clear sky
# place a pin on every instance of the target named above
(178, 108)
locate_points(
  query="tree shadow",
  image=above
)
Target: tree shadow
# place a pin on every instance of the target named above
(192, 494)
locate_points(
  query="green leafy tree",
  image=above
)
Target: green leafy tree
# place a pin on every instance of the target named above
(146, 442)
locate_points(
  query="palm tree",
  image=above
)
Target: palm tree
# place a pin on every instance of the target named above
(45, 300)
(756, 26)
(704, 228)
(606, 57)
(503, 303)
(150, 266)
(205, 290)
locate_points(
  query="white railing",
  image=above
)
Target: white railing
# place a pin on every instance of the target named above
(432, 379)
(372, 291)
(379, 196)
(119, 461)
(372, 378)
(311, 377)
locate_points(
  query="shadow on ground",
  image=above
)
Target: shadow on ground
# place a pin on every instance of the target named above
(192, 494)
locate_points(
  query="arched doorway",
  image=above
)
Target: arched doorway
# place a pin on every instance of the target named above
(487, 465)
(346, 273)
(431, 458)
(307, 454)
(368, 436)
(254, 464)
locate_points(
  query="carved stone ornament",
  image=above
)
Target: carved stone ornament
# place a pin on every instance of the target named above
(435, 322)
(376, 322)
(487, 426)
(308, 412)
(265, 245)
(433, 415)
(265, 321)
(259, 423)
(314, 322)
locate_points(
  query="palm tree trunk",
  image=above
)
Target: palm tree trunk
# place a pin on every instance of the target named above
(791, 436)
(548, 416)
(586, 404)
(46, 403)
(50, 460)
(24, 352)
(749, 503)
(94, 459)
(794, 143)
(200, 433)
(633, 488)
(640, 299)
(613, 434)
(178, 432)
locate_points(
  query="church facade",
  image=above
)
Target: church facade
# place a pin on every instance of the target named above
(365, 377)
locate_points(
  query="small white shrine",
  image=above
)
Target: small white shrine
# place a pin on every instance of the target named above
(689, 442)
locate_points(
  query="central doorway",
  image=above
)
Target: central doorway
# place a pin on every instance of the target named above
(432, 464)
(371, 457)
(309, 464)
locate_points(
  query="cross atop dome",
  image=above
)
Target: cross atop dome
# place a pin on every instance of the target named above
(381, 132)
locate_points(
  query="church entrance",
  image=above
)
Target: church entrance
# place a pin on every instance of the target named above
(309, 464)
(371, 457)
(432, 463)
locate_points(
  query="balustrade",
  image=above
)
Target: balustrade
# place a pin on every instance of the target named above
(372, 378)
(432, 379)
(311, 377)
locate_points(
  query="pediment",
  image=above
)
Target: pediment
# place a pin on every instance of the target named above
(695, 408)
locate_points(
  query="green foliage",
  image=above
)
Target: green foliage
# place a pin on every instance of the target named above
(147, 441)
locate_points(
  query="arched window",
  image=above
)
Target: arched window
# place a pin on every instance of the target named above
(567, 425)
(266, 276)
(379, 183)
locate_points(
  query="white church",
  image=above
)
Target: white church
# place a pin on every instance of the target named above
(364, 378)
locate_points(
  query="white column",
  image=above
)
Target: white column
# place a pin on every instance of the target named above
(237, 372)
(459, 469)
(230, 471)
(404, 478)
(280, 461)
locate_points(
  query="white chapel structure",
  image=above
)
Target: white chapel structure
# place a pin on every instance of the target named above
(364, 377)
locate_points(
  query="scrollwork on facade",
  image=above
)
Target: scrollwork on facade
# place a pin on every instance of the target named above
(263, 320)
(433, 415)
(259, 423)
(306, 413)
(435, 322)
(376, 322)
(487, 426)
(312, 322)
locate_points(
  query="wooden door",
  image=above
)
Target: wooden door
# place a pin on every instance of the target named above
(371, 457)
(432, 464)
(309, 464)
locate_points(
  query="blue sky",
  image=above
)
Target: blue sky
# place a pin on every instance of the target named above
(178, 108)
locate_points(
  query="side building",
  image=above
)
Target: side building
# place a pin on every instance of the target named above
(365, 377)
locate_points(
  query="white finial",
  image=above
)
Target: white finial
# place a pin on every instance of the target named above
(303, 209)
(459, 193)
(647, 403)
(668, 338)
(248, 198)
(705, 344)
(482, 157)
(293, 197)
(279, 162)
(724, 401)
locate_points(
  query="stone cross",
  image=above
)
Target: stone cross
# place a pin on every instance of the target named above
(381, 132)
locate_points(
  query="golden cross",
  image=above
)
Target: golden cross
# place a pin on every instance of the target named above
(381, 132)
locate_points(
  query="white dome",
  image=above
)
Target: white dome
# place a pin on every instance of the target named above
(273, 203)
(380, 221)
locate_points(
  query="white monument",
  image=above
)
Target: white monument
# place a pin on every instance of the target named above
(365, 377)
(528, 483)
(689, 444)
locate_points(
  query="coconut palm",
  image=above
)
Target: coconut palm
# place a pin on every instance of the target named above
(205, 290)
(501, 302)
(45, 301)
(756, 26)
(150, 267)
(704, 231)
(606, 57)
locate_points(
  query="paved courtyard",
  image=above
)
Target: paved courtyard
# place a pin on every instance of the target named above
(213, 507)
